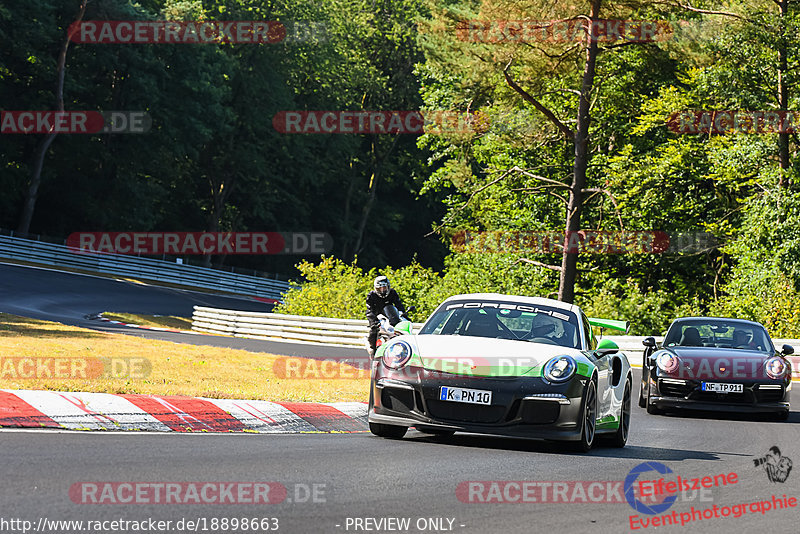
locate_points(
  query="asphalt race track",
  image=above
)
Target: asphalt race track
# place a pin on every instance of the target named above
(69, 298)
(366, 476)
(361, 480)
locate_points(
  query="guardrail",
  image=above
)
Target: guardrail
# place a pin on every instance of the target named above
(351, 332)
(278, 326)
(16, 248)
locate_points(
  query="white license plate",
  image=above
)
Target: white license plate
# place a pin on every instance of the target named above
(471, 396)
(716, 387)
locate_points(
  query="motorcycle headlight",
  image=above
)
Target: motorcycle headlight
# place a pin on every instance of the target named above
(397, 355)
(775, 367)
(667, 362)
(560, 369)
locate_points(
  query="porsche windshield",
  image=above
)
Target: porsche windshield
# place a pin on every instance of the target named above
(718, 333)
(503, 320)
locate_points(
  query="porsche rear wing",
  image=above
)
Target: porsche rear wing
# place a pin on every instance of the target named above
(622, 326)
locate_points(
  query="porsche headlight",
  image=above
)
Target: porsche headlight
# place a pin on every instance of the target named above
(397, 355)
(667, 362)
(560, 369)
(775, 367)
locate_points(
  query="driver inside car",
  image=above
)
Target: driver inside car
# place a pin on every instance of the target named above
(741, 340)
(545, 327)
(482, 325)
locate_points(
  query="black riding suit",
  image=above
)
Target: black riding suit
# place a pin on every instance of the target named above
(375, 306)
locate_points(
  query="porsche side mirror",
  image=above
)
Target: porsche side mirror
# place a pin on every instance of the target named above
(788, 349)
(404, 327)
(649, 342)
(606, 347)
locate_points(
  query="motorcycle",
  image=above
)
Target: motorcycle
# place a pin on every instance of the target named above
(393, 323)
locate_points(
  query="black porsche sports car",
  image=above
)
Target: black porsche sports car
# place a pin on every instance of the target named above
(711, 363)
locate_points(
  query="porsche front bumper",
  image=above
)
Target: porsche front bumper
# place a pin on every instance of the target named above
(520, 406)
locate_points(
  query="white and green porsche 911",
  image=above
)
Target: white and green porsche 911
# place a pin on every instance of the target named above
(506, 365)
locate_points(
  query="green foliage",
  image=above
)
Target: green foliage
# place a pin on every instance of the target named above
(764, 282)
(649, 311)
(331, 288)
(214, 161)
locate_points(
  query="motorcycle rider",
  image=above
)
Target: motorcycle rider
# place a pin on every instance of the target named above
(382, 295)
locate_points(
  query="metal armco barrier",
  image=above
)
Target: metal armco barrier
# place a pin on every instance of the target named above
(351, 332)
(255, 325)
(133, 266)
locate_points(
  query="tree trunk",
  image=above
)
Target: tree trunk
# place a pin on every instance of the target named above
(345, 224)
(32, 193)
(783, 96)
(569, 260)
(373, 187)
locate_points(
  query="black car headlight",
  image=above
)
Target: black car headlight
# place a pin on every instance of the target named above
(667, 362)
(397, 355)
(775, 367)
(560, 369)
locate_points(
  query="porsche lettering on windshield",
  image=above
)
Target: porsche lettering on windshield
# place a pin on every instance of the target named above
(506, 306)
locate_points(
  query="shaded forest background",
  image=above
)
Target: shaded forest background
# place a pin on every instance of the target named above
(392, 203)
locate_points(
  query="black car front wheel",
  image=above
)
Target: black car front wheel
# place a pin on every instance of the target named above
(652, 409)
(388, 431)
(642, 398)
(588, 418)
(620, 437)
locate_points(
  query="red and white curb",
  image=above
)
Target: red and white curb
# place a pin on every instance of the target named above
(106, 411)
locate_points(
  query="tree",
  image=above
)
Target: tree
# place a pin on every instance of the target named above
(41, 150)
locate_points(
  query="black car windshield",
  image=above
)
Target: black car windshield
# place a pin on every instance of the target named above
(505, 320)
(718, 333)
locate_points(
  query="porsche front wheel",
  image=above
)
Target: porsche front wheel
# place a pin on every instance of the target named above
(387, 431)
(652, 409)
(588, 418)
(620, 437)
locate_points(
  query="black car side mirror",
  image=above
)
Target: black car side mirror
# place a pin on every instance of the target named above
(411, 309)
(649, 342)
(788, 349)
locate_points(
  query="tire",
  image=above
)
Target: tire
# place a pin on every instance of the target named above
(588, 418)
(388, 431)
(782, 415)
(620, 437)
(651, 408)
(435, 431)
(642, 398)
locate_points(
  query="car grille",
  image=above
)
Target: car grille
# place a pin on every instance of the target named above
(770, 394)
(469, 413)
(669, 389)
(540, 412)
